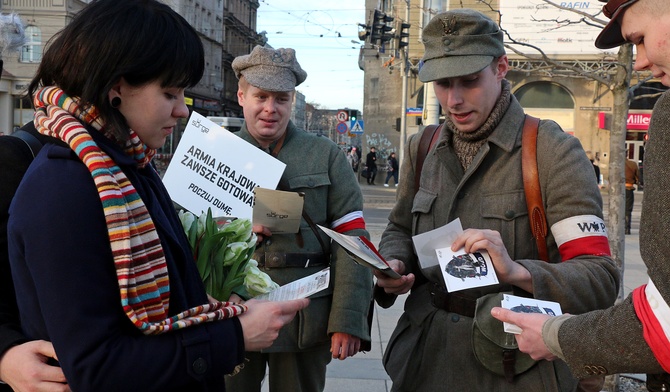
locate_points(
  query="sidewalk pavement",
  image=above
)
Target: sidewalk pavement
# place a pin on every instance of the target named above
(365, 373)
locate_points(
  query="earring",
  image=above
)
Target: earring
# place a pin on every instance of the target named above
(116, 102)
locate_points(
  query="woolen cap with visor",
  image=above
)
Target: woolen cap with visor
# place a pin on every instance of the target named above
(270, 69)
(610, 36)
(459, 42)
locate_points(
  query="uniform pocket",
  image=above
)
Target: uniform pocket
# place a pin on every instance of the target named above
(313, 324)
(309, 181)
(507, 213)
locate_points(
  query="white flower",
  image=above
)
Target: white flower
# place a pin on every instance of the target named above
(256, 281)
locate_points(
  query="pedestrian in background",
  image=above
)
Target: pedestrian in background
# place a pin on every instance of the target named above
(371, 164)
(97, 252)
(352, 158)
(391, 169)
(335, 324)
(596, 168)
(631, 336)
(473, 172)
(632, 180)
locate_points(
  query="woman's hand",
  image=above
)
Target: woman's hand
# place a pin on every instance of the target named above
(263, 320)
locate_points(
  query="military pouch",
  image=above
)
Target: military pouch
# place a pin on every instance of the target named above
(494, 348)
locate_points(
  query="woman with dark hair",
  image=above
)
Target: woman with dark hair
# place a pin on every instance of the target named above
(97, 251)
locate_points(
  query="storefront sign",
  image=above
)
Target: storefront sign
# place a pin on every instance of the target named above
(635, 121)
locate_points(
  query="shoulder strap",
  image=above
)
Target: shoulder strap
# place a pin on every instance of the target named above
(30, 140)
(428, 139)
(531, 185)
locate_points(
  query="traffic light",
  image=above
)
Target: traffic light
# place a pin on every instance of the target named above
(401, 34)
(353, 116)
(381, 31)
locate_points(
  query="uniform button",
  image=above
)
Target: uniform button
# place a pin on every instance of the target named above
(455, 318)
(275, 259)
(509, 214)
(200, 366)
(268, 242)
(461, 195)
(589, 370)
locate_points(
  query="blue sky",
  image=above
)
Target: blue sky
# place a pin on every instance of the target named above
(321, 32)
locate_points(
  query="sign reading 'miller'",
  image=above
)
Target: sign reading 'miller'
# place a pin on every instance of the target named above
(635, 121)
(215, 168)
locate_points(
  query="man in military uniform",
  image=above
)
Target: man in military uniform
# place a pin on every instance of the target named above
(473, 172)
(335, 323)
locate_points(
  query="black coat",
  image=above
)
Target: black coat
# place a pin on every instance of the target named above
(15, 157)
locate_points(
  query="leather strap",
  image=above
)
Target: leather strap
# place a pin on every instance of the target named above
(509, 363)
(33, 144)
(428, 139)
(452, 302)
(296, 260)
(531, 185)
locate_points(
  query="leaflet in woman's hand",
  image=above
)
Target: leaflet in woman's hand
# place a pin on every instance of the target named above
(528, 305)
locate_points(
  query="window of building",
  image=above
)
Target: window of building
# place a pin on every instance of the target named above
(544, 95)
(31, 52)
(433, 7)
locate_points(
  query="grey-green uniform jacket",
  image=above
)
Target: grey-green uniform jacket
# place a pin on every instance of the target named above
(431, 349)
(319, 169)
(611, 341)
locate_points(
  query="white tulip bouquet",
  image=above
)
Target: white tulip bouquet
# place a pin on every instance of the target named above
(223, 251)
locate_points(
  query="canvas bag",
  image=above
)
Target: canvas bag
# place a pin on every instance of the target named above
(494, 348)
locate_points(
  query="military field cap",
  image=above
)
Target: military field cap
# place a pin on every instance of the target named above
(610, 36)
(270, 69)
(459, 42)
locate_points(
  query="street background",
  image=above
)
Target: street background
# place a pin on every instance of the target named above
(364, 372)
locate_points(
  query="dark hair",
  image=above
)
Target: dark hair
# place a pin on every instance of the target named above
(141, 41)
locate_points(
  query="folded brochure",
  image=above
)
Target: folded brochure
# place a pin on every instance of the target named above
(301, 288)
(362, 251)
(528, 305)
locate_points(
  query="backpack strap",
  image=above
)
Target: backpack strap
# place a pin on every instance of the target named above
(531, 185)
(33, 144)
(428, 139)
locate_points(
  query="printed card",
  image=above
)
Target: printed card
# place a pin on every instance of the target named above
(528, 305)
(301, 288)
(466, 270)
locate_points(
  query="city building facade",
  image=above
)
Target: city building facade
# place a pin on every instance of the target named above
(580, 104)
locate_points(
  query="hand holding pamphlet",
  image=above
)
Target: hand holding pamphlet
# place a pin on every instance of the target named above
(301, 288)
(362, 251)
(528, 305)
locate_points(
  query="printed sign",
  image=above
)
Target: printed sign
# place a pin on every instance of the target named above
(215, 168)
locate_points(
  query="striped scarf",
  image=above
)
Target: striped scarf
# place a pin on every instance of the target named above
(139, 260)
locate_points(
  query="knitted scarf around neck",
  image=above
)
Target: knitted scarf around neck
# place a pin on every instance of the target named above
(467, 144)
(139, 259)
